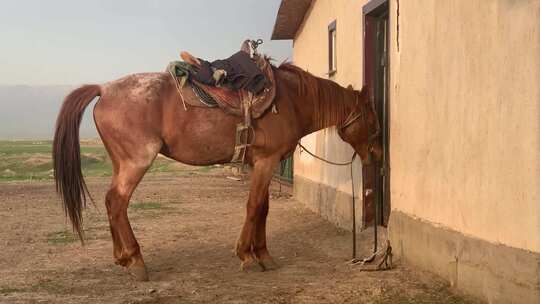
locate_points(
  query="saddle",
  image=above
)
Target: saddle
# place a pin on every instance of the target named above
(233, 102)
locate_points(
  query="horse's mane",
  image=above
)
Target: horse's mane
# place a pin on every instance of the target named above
(331, 101)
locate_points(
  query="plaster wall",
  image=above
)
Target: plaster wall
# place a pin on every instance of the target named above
(465, 109)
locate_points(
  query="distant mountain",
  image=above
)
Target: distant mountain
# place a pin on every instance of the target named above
(29, 112)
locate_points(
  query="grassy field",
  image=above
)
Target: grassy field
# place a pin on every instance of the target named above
(32, 160)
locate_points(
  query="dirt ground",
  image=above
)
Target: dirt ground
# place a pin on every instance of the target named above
(187, 226)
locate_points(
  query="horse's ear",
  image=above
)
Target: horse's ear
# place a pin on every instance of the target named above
(350, 87)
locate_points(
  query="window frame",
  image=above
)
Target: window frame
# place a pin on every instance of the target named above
(332, 48)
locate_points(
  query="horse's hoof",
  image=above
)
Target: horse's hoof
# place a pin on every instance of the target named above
(269, 264)
(139, 272)
(251, 266)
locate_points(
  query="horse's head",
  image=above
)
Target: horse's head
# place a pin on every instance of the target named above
(361, 129)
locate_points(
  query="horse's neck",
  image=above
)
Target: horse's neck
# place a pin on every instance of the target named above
(319, 103)
(332, 109)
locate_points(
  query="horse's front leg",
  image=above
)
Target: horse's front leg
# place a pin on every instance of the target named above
(256, 210)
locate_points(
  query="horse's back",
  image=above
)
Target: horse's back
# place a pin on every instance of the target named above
(134, 95)
(146, 110)
(137, 87)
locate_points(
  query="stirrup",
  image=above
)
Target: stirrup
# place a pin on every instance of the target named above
(241, 143)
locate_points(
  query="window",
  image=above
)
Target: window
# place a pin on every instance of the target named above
(332, 48)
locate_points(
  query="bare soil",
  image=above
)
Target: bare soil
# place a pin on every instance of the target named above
(187, 226)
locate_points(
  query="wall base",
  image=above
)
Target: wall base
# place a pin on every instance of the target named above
(333, 205)
(495, 273)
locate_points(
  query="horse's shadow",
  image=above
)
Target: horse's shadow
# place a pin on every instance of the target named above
(293, 247)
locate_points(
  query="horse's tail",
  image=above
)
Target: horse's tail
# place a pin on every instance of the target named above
(66, 154)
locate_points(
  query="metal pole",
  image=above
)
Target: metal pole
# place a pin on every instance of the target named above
(376, 198)
(353, 214)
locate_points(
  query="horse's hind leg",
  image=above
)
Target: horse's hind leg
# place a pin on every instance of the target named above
(126, 249)
(128, 172)
(259, 241)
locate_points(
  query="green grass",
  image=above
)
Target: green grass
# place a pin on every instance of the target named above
(149, 209)
(145, 206)
(7, 290)
(205, 168)
(14, 147)
(61, 238)
(31, 160)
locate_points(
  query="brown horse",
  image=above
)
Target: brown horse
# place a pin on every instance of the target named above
(141, 115)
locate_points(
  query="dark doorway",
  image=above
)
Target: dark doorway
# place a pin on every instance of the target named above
(376, 179)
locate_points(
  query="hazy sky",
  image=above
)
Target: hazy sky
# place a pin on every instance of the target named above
(75, 41)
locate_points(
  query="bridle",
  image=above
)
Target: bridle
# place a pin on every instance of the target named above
(363, 116)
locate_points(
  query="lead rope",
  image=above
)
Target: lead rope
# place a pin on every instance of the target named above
(179, 89)
(325, 160)
(387, 250)
(349, 163)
